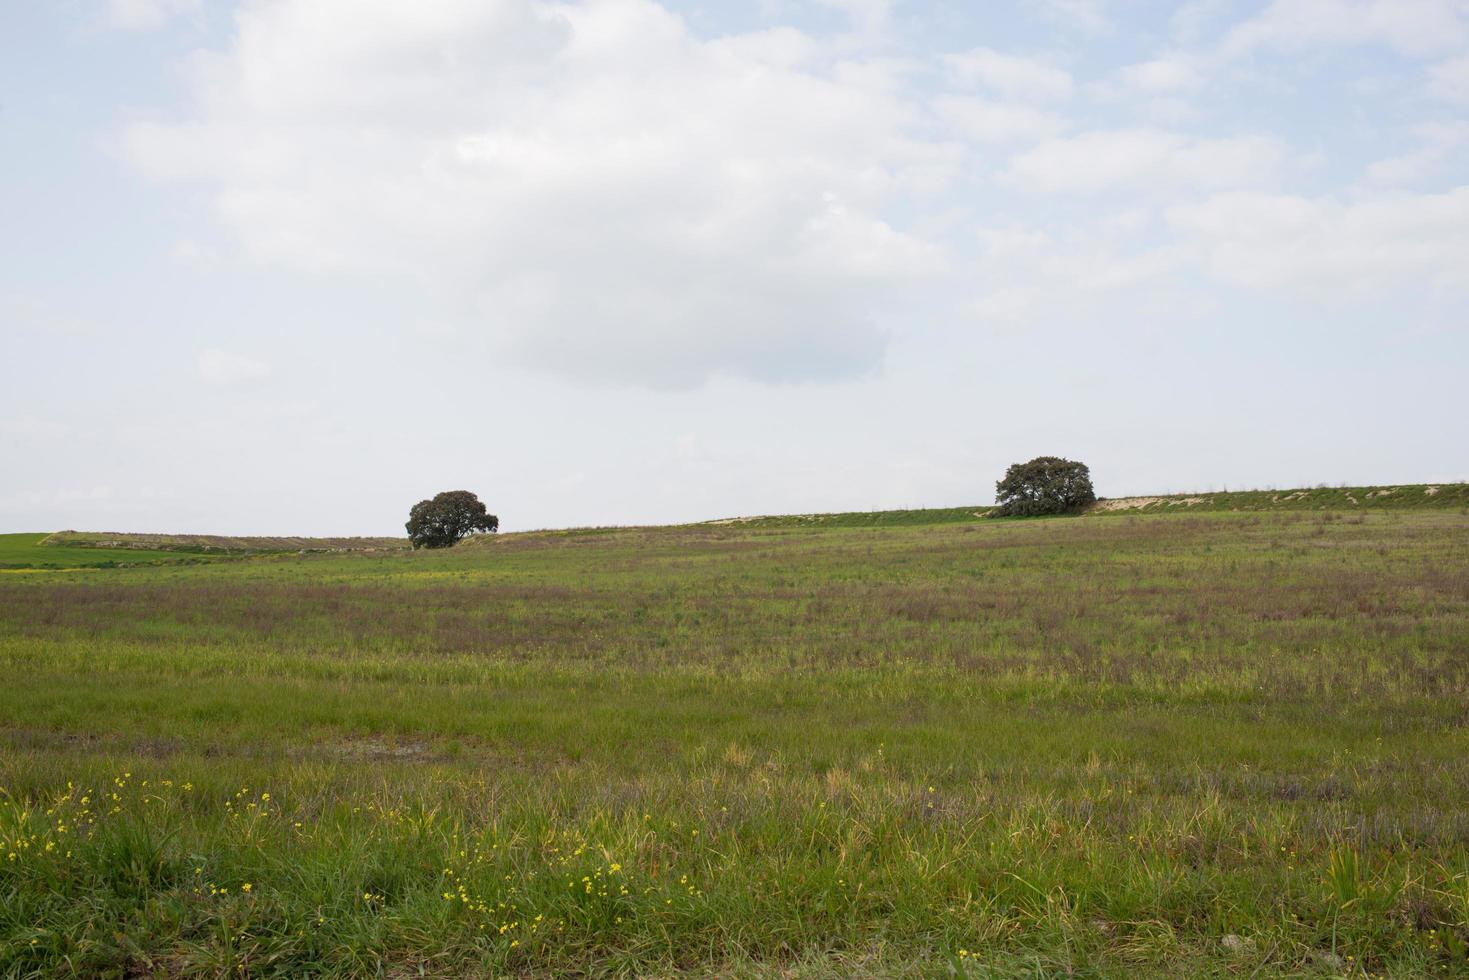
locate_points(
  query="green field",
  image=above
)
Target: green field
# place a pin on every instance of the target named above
(31, 551)
(80, 549)
(1201, 742)
(218, 544)
(1417, 496)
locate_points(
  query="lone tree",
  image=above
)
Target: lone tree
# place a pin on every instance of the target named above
(442, 521)
(1045, 485)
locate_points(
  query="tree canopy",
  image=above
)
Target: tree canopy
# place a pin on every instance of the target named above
(1045, 485)
(448, 517)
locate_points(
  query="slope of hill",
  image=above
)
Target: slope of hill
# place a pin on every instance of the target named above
(80, 548)
(877, 518)
(33, 551)
(1397, 497)
(218, 543)
(1415, 496)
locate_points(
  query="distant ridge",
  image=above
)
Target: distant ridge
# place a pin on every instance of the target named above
(1408, 496)
(218, 543)
(1415, 496)
(879, 518)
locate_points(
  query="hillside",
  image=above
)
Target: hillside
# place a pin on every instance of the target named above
(74, 549)
(1417, 496)
(105, 549)
(879, 518)
(218, 543)
(1393, 497)
(38, 552)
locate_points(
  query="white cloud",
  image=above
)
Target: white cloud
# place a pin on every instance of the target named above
(1150, 159)
(987, 121)
(227, 367)
(1192, 21)
(1010, 242)
(1439, 142)
(147, 15)
(779, 47)
(1159, 90)
(866, 15)
(1070, 284)
(1320, 249)
(1412, 27)
(1325, 247)
(1089, 16)
(1449, 80)
(1014, 76)
(1160, 76)
(1027, 274)
(29, 427)
(25, 311)
(1073, 278)
(599, 192)
(1006, 306)
(1406, 168)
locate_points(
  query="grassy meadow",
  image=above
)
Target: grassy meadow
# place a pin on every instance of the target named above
(1204, 742)
(33, 551)
(216, 544)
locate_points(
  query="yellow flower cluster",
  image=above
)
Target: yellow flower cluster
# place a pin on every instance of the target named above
(487, 877)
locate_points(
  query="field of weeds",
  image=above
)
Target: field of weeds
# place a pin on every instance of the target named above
(1192, 743)
(216, 543)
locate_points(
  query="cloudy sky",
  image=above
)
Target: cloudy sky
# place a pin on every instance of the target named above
(288, 266)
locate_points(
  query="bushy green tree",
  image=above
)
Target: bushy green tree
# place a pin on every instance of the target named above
(449, 516)
(1045, 485)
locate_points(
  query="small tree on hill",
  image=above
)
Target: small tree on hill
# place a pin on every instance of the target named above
(1045, 485)
(442, 521)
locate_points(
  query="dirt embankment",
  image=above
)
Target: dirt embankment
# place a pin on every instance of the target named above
(1144, 503)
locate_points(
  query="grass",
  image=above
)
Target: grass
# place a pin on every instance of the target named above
(1190, 743)
(33, 551)
(879, 518)
(218, 543)
(1422, 496)
(1417, 496)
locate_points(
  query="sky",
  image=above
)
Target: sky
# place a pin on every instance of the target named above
(289, 266)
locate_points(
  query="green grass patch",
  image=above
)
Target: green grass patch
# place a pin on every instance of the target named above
(1446, 496)
(33, 551)
(1423, 496)
(879, 518)
(210, 544)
